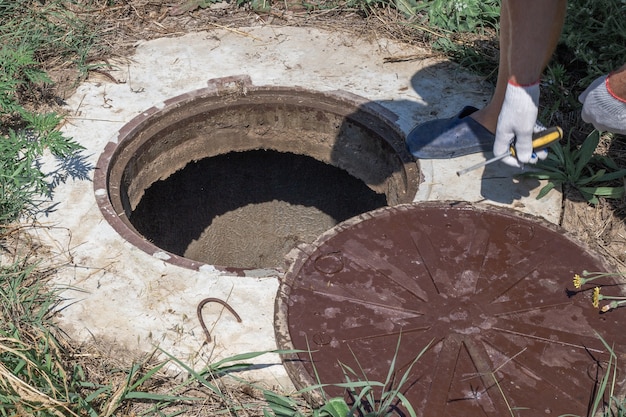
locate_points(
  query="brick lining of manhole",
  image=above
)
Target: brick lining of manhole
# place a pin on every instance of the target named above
(235, 175)
(487, 291)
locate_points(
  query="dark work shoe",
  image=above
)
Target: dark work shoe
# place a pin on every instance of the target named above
(448, 138)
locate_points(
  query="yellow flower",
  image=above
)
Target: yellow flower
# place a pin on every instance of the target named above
(577, 281)
(596, 297)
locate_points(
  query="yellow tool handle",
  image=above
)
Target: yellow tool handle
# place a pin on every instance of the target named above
(544, 138)
(541, 140)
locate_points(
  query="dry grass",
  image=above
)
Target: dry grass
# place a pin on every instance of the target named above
(41, 368)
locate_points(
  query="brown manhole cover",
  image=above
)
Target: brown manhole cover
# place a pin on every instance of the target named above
(236, 175)
(488, 290)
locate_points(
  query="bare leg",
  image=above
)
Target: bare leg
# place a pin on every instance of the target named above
(529, 33)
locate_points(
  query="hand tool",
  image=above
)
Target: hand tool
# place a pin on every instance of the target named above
(541, 140)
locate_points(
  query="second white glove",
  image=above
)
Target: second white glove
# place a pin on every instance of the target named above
(603, 109)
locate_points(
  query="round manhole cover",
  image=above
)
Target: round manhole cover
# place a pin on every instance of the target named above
(486, 293)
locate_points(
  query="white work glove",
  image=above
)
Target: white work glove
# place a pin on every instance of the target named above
(602, 108)
(516, 123)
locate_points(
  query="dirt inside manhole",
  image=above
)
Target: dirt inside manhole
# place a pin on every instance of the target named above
(235, 176)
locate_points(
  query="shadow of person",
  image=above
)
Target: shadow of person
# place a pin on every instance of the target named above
(504, 184)
(499, 182)
(444, 89)
(370, 146)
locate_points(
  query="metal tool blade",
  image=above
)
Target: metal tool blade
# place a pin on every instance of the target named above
(482, 164)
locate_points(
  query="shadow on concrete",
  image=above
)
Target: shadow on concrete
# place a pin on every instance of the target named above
(500, 183)
(504, 184)
(73, 167)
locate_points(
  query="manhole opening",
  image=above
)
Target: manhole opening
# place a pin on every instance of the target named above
(236, 178)
(249, 208)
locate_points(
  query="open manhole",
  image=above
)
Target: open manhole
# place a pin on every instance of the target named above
(236, 175)
(487, 293)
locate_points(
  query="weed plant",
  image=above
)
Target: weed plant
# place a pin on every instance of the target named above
(593, 41)
(461, 15)
(582, 169)
(594, 38)
(606, 402)
(31, 33)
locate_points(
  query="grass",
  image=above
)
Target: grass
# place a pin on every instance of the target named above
(40, 374)
(581, 169)
(28, 33)
(52, 30)
(368, 398)
(34, 379)
(43, 374)
(605, 403)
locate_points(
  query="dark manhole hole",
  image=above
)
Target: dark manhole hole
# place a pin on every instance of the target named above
(489, 291)
(236, 175)
(259, 205)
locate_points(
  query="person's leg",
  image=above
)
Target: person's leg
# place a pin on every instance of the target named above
(529, 33)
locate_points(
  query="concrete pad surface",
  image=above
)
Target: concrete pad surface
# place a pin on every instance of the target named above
(119, 294)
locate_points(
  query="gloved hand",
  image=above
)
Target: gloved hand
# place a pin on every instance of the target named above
(602, 108)
(517, 123)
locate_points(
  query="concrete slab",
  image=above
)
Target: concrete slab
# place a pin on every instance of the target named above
(495, 184)
(118, 293)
